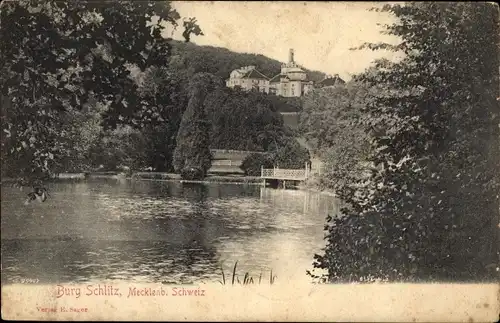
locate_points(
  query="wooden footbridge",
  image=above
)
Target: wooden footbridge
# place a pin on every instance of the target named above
(284, 175)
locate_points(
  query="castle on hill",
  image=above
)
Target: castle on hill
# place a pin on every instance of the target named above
(292, 81)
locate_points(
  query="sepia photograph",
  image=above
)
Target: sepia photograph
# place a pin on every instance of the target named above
(250, 161)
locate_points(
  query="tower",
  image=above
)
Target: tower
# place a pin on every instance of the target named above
(290, 56)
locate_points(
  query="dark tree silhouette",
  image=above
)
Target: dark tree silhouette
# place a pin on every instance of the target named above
(431, 210)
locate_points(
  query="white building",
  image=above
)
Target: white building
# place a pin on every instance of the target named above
(292, 81)
(248, 78)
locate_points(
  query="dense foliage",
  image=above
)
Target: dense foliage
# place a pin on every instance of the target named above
(167, 91)
(291, 155)
(72, 82)
(192, 173)
(431, 211)
(193, 139)
(117, 149)
(57, 55)
(334, 125)
(243, 120)
(284, 104)
(288, 154)
(253, 163)
(221, 61)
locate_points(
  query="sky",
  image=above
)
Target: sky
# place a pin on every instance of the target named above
(321, 33)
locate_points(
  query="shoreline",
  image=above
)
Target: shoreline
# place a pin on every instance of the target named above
(171, 177)
(310, 187)
(144, 176)
(319, 191)
(219, 179)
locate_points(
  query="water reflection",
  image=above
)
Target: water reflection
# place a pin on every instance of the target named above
(159, 231)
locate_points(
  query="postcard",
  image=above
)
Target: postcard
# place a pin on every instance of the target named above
(250, 161)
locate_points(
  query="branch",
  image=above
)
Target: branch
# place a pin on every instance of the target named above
(379, 46)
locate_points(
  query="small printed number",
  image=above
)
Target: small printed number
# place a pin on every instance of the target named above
(26, 280)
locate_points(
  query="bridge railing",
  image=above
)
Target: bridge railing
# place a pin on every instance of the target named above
(281, 173)
(267, 172)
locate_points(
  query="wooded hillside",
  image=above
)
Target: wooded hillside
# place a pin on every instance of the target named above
(221, 61)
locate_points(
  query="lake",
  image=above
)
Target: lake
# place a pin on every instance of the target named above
(154, 231)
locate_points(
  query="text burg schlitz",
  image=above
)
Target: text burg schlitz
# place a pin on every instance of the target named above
(132, 291)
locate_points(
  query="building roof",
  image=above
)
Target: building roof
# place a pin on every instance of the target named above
(330, 81)
(277, 78)
(295, 69)
(254, 74)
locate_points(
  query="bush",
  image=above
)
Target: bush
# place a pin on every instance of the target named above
(252, 164)
(291, 155)
(192, 173)
(118, 148)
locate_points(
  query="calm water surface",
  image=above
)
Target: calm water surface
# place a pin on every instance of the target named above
(146, 231)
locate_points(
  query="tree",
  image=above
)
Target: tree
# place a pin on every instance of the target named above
(190, 27)
(243, 120)
(122, 148)
(165, 91)
(431, 211)
(56, 56)
(193, 141)
(291, 155)
(253, 163)
(333, 123)
(33, 102)
(84, 133)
